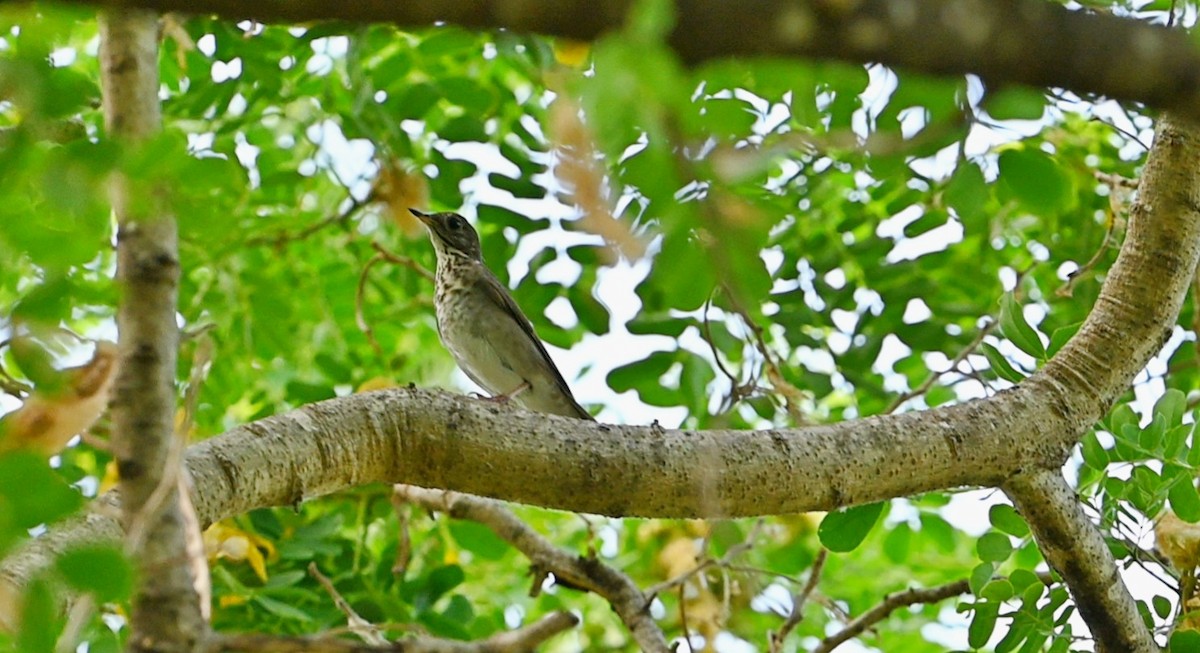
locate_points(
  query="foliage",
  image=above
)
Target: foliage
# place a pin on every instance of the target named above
(823, 241)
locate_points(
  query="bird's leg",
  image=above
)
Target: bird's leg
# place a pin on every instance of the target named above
(504, 398)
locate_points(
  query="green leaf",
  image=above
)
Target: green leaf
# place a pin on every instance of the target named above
(1171, 406)
(102, 570)
(1185, 500)
(466, 128)
(843, 530)
(998, 589)
(520, 188)
(40, 621)
(1185, 641)
(1094, 453)
(898, 542)
(1162, 606)
(967, 193)
(1000, 364)
(729, 118)
(1023, 579)
(478, 539)
(1036, 180)
(281, 609)
(1193, 456)
(1005, 518)
(993, 547)
(425, 591)
(980, 576)
(1015, 328)
(1062, 336)
(1015, 103)
(983, 622)
(35, 494)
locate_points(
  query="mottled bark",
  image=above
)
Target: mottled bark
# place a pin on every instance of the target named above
(166, 613)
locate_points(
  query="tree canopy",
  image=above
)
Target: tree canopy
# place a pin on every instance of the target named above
(856, 262)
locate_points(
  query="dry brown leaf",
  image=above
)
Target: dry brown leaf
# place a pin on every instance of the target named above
(1179, 541)
(580, 173)
(46, 422)
(399, 190)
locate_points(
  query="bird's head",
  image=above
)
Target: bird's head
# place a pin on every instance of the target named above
(451, 234)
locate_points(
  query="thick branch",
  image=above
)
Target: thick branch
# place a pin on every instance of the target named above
(166, 612)
(1136, 311)
(1077, 551)
(1004, 41)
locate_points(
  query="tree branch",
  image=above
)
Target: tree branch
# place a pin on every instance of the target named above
(589, 574)
(166, 608)
(1003, 41)
(1077, 551)
(776, 639)
(889, 605)
(526, 638)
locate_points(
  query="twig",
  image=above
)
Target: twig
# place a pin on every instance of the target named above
(366, 630)
(791, 394)
(723, 562)
(404, 538)
(526, 638)
(77, 619)
(1068, 288)
(683, 622)
(588, 574)
(360, 319)
(283, 237)
(777, 638)
(889, 605)
(403, 260)
(382, 254)
(738, 390)
(933, 377)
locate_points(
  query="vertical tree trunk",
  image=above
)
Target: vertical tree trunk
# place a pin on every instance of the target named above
(166, 612)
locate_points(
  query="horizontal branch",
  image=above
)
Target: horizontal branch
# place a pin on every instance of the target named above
(1031, 42)
(630, 604)
(526, 638)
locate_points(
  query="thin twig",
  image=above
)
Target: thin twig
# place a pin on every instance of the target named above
(890, 604)
(723, 562)
(777, 638)
(737, 390)
(1068, 288)
(588, 574)
(933, 377)
(526, 638)
(403, 260)
(360, 318)
(282, 238)
(366, 630)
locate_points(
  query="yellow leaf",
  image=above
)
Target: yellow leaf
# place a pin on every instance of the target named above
(569, 52)
(111, 477)
(229, 601)
(375, 383)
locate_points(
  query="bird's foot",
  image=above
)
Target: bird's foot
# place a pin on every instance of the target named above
(506, 397)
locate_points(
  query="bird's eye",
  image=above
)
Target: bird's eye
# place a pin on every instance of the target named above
(455, 223)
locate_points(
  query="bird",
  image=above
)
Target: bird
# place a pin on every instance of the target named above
(483, 327)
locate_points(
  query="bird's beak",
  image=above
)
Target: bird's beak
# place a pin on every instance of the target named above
(423, 217)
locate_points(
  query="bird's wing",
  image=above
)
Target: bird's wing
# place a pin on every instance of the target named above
(499, 293)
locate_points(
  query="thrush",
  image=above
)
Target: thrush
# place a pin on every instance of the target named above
(480, 323)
